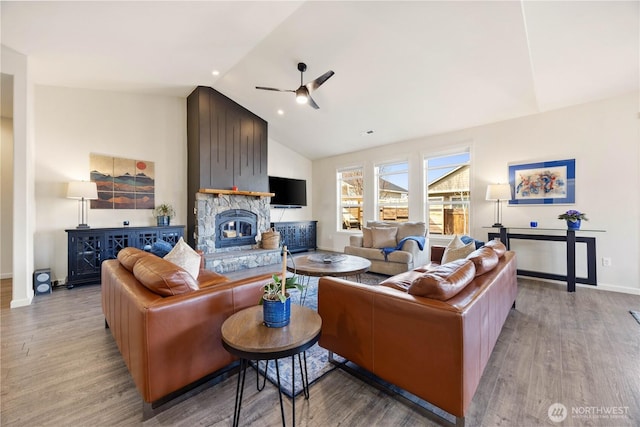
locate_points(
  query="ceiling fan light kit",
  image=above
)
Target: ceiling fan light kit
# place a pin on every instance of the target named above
(302, 96)
(303, 93)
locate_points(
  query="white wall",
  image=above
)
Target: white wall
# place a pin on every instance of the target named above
(72, 123)
(286, 163)
(603, 137)
(6, 197)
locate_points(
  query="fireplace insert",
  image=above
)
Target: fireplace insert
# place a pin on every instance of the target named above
(236, 227)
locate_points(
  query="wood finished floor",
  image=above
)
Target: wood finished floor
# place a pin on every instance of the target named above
(60, 367)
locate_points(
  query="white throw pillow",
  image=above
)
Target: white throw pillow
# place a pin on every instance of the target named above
(456, 249)
(183, 256)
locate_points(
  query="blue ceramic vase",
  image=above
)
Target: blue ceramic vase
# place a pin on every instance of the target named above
(574, 225)
(276, 314)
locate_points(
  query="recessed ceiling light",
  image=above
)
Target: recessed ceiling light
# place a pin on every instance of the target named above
(280, 112)
(215, 72)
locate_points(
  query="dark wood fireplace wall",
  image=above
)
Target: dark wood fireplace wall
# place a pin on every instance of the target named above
(227, 146)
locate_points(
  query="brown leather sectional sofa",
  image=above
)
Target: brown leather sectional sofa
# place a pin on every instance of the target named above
(172, 341)
(435, 347)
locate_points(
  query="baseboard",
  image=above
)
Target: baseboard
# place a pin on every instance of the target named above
(613, 288)
(599, 287)
(21, 302)
(6, 275)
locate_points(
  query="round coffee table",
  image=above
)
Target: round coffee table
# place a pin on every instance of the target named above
(337, 265)
(245, 336)
(341, 265)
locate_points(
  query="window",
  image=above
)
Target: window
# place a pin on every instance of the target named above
(350, 185)
(393, 191)
(448, 193)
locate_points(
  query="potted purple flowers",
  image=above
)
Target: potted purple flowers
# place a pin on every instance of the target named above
(573, 218)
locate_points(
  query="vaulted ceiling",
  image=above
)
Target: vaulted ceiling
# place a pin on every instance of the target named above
(402, 69)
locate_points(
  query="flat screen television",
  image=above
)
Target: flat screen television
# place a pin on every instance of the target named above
(289, 192)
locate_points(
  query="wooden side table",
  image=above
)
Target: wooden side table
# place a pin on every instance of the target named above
(245, 336)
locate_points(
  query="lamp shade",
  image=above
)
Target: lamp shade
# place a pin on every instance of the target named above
(82, 190)
(498, 192)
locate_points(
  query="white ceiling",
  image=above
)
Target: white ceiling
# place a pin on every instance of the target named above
(402, 69)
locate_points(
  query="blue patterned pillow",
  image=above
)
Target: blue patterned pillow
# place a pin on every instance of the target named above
(161, 248)
(466, 240)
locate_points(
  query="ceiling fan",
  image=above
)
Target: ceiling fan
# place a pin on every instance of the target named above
(303, 93)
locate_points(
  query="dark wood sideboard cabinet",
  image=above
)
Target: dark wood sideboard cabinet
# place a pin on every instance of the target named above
(299, 236)
(87, 248)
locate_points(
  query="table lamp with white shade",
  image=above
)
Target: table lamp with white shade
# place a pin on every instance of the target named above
(499, 193)
(82, 191)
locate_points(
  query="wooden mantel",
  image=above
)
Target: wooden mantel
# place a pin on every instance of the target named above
(235, 192)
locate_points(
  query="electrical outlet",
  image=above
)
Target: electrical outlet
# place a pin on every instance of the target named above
(606, 262)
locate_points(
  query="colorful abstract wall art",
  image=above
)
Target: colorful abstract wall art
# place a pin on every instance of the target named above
(122, 183)
(552, 182)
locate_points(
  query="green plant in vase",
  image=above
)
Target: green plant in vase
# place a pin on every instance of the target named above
(164, 213)
(275, 299)
(273, 290)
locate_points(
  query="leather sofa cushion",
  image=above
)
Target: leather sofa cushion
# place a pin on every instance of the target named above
(445, 281)
(402, 281)
(128, 257)
(163, 277)
(498, 247)
(484, 259)
(208, 278)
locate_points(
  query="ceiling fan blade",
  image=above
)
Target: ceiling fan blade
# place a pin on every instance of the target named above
(274, 89)
(315, 84)
(312, 103)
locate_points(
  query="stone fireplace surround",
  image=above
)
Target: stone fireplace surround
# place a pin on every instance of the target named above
(227, 259)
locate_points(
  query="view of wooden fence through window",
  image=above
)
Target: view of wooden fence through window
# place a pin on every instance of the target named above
(448, 193)
(393, 193)
(351, 191)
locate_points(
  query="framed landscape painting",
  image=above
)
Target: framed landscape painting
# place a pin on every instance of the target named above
(542, 183)
(122, 183)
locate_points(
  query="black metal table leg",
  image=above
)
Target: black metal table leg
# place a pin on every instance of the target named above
(304, 374)
(303, 294)
(293, 390)
(264, 378)
(280, 393)
(571, 261)
(239, 390)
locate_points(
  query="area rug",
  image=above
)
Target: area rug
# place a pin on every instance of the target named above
(317, 357)
(636, 315)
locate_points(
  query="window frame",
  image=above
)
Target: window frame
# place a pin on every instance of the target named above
(355, 223)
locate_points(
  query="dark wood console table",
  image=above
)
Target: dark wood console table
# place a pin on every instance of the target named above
(299, 236)
(88, 247)
(506, 235)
